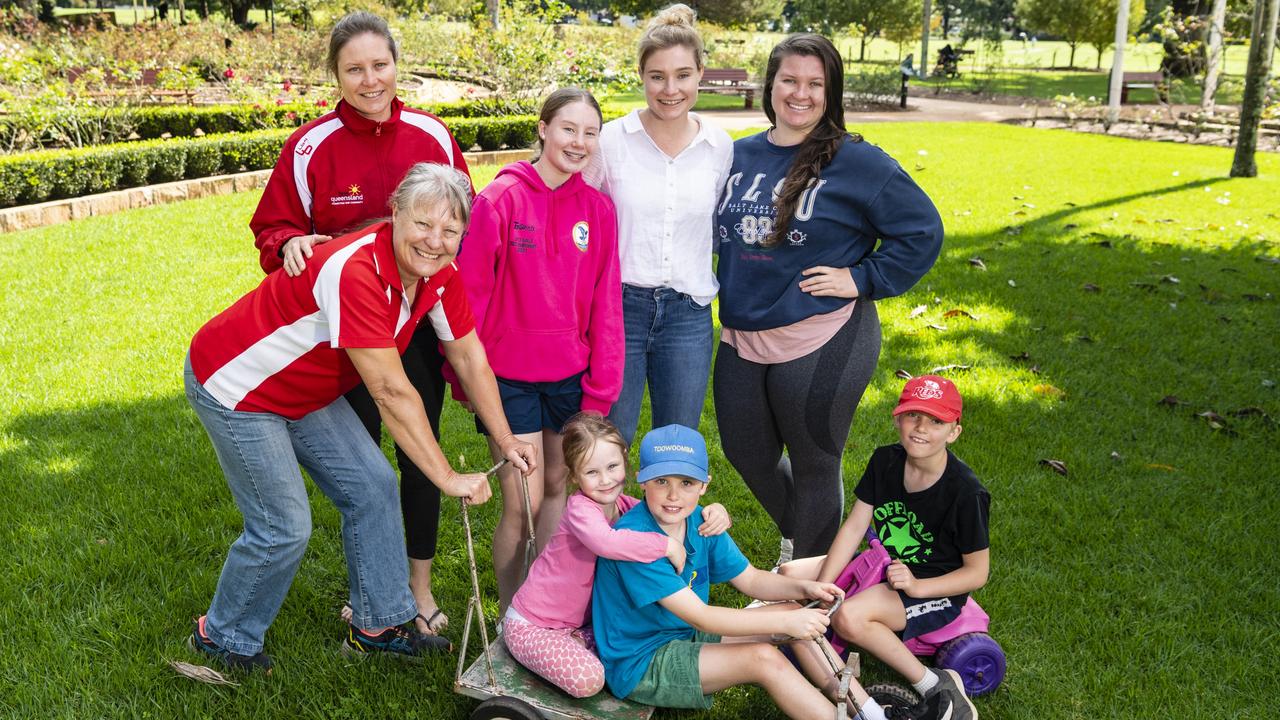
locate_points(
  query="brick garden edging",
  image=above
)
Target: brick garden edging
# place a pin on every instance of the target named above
(25, 217)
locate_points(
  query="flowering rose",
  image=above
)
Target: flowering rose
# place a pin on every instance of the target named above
(322, 103)
(288, 86)
(228, 73)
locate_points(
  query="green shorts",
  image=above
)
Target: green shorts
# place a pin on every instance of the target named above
(672, 679)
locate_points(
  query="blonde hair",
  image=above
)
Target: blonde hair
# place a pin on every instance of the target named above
(672, 27)
(581, 434)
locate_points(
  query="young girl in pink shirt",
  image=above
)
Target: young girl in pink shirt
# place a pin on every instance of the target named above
(546, 628)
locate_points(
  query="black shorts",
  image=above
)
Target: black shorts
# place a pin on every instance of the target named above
(924, 615)
(535, 406)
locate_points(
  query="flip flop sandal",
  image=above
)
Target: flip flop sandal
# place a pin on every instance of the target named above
(431, 629)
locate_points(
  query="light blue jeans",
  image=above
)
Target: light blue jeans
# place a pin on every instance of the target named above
(669, 344)
(260, 454)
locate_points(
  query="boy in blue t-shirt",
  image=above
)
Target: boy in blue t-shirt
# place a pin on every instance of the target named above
(659, 640)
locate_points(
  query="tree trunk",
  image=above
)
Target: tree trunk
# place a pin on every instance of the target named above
(1261, 46)
(1071, 61)
(862, 50)
(1117, 63)
(1213, 55)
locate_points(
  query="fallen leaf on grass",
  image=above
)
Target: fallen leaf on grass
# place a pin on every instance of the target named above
(1015, 229)
(1161, 466)
(1215, 421)
(1170, 279)
(1035, 369)
(1166, 220)
(938, 327)
(1253, 297)
(1069, 204)
(957, 312)
(977, 262)
(1140, 221)
(1024, 355)
(1250, 412)
(1048, 390)
(1012, 284)
(1090, 287)
(944, 368)
(1017, 197)
(903, 374)
(1268, 383)
(1116, 456)
(917, 311)
(1056, 465)
(1104, 244)
(1085, 339)
(1070, 226)
(1171, 401)
(1143, 285)
(201, 673)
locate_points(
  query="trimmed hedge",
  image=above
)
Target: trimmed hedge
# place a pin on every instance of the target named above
(180, 121)
(52, 174)
(42, 175)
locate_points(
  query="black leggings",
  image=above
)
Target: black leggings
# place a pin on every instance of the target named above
(419, 497)
(805, 406)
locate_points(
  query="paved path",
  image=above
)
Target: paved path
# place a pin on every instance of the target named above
(919, 109)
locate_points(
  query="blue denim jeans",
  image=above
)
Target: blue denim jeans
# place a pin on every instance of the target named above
(260, 454)
(669, 344)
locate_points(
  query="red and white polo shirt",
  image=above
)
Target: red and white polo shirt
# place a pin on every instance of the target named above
(280, 348)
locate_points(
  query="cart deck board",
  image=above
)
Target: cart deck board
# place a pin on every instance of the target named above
(515, 681)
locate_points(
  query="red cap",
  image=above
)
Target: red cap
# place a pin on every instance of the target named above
(933, 395)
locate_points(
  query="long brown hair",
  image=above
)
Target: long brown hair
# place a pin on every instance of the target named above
(820, 146)
(558, 99)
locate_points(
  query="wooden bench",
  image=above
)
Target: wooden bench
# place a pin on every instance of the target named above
(729, 81)
(1152, 80)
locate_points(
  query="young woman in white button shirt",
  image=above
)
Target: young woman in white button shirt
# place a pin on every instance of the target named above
(663, 167)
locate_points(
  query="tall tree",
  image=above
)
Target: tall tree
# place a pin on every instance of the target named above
(1100, 31)
(1213, 54)
(1068, 19)
(1261, 46)
(870, 18)
(981, 19)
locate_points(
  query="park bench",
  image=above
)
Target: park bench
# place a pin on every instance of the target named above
(1151, 80)
(729, 81)
(146, 83)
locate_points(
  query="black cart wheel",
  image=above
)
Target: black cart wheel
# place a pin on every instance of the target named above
(894, 695)
(505, 708)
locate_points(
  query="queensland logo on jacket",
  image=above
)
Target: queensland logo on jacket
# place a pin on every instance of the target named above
(581, 235)
(353, 196)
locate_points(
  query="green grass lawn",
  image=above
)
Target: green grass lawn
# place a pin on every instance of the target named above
(1117, 272)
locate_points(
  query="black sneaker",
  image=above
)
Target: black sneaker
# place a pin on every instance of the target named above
(200, 642)
(402, 642)
(951, 687)
(935, 707)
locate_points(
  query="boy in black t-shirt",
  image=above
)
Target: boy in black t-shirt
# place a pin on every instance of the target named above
(930, 512)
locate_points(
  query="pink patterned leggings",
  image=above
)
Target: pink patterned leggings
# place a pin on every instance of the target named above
(563, 657)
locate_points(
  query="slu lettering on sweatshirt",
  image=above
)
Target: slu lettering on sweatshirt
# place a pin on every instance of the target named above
(758, 217)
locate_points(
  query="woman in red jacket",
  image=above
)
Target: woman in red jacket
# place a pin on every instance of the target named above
(336, 174)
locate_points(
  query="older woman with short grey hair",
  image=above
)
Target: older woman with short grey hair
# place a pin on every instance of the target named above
(266, 377)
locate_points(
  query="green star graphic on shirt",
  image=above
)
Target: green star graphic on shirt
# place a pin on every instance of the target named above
(900, 538)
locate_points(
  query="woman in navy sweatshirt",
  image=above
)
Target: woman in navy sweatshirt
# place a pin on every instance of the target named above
(815, 225)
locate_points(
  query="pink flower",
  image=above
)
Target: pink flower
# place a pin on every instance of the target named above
(287, 86)
(279, 101)
(568, 52)
(573, 68)
(228, 73)
(322, 103)
(471, 91)
(291, 115)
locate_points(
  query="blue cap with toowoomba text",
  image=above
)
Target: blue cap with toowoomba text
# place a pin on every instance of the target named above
(673, 450)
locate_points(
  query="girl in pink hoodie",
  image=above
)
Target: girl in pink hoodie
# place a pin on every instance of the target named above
(540, 264)
(547, 628)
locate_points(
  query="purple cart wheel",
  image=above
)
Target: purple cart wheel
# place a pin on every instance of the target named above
(979, 660)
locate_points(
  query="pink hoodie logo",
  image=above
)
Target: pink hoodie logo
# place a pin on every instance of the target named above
(581, 234)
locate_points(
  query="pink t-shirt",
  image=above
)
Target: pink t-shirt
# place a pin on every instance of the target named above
(557, 592)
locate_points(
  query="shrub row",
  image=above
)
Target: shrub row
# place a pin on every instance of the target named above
(154, 122)
(52, 174)
(34, 177)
